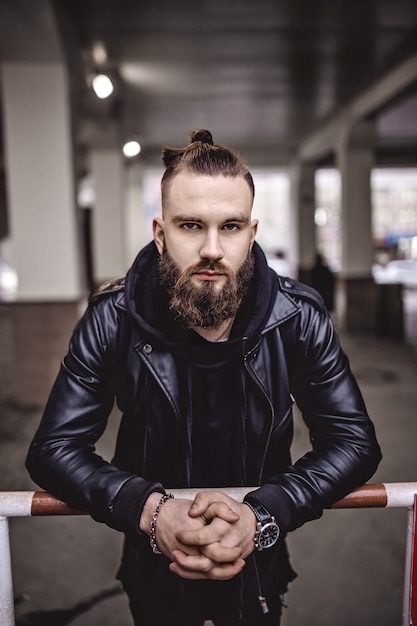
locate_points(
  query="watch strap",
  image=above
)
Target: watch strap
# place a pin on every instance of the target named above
(262, 515)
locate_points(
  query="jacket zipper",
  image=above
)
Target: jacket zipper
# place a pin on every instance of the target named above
(261, 597)
(261, 388)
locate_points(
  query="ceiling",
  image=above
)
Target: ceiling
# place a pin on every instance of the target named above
(262, 76)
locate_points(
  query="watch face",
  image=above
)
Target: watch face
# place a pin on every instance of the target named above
(268, 535)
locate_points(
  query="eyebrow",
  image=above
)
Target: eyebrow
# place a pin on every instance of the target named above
(188, 218)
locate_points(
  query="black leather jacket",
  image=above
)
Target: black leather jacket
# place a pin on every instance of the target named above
(110, 357)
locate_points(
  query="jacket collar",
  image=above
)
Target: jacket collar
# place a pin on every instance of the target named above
(284, 307)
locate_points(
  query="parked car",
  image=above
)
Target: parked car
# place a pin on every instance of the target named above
(403, 271)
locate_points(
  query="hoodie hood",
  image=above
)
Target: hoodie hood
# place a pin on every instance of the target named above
(148, 305)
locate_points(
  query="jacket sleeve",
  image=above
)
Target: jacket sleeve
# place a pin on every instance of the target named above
(62, 458)
(345, 452)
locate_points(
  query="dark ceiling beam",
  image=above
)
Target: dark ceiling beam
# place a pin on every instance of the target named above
(369, 102)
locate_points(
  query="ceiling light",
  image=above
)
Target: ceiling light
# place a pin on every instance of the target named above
(102, 85)
(131, 149)
(99, 52)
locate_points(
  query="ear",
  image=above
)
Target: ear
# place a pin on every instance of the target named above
(158, 233)
(254, 228)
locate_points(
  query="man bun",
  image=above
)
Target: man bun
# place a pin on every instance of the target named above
(170, 154)
(202, 135)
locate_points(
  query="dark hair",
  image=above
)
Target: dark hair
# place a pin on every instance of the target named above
(202, 156)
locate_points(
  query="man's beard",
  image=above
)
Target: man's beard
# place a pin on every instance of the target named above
(204, 305)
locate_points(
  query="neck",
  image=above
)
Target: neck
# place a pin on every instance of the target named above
(216, 334)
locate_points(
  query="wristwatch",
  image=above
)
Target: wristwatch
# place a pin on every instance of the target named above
(267, 530)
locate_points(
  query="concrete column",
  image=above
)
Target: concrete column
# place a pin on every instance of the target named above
(43, 222)
(39, 181)
(302, 215)
(107, 219)
(136, 235)
(356, 290)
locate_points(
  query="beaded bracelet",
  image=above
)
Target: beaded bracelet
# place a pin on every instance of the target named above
(152, 533)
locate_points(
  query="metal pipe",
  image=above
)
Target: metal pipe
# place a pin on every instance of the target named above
(16, 503)
(6, 581)
(31, 503)
(406, 621)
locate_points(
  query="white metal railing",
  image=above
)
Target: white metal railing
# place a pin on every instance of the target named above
(384, 495)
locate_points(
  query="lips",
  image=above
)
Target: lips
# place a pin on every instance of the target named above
(205, 275)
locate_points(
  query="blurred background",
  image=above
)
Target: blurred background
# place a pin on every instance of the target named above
(321, 99)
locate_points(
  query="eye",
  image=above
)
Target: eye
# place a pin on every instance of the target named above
(190, 226)
(231, 227)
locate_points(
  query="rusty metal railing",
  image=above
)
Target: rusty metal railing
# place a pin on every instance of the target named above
(384, 495)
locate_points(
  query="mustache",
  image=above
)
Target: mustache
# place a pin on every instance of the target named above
(212, 266)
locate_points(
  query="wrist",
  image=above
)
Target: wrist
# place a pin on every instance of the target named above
(152, 531)
(148, 511)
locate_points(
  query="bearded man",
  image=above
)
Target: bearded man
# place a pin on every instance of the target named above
(205, 349)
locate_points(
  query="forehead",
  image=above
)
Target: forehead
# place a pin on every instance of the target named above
(188, 190)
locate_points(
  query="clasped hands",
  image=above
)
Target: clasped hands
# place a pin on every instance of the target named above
(207, 538)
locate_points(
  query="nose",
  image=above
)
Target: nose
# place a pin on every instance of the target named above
(212, 248)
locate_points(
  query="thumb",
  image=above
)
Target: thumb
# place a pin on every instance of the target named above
(209, 509)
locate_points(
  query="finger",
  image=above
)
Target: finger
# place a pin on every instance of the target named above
(221, 510)
(204, 498)
(214, 552)
(192, 562)
(210, 509)
(216, 572)
(219, 553)
(216, 530)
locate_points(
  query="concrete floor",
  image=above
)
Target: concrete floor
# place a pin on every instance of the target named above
(350, 563)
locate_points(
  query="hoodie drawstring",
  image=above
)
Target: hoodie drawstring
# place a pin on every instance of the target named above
(189, 423)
